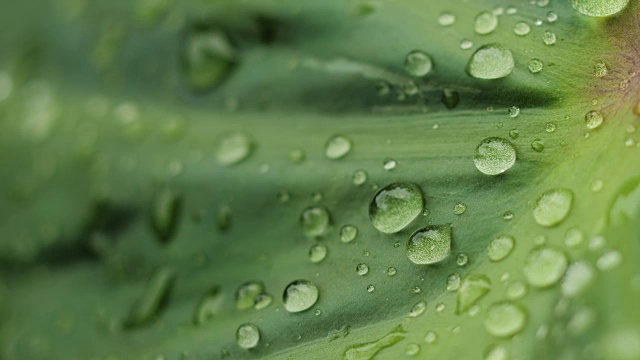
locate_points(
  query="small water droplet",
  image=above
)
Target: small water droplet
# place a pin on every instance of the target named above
(609, 261)
(453, 282)
(315, 221)
(578, 277)
(496, 352)
(371, 288)
(418, 309)
(208, 307)
(299, 295)
(348, 233)
(429, 245)
(514, 111)
(466, 44)
(362, 269)
(573, 238)
(262, 301)
(359, 177)
(471, 289)
(593, 119)
(248, 336)
(485, 23)
(537, 145)
(208, 59)
(508, 215)
(337, 147)
(491, 61)
(552, 17)
(535, 66)
(317, 253)
(600, 69)
(395, 206)
(505, 319)
(391, 271)
(416, 289)
(549, 38)
(553, 207)
(550, 128)
(544, 267)
(500, 247)
(166, 211)
(417, 63)
(247, 293)
(412, 349)
(462, 259)
(318, 312)
(516, 290)
(431, 337)
(521, 28)
(450, 98)
(446, 19)
(389, 164)
(233, 148)
(283, 196)
(494, 156)
(297, 156)
(153, 298)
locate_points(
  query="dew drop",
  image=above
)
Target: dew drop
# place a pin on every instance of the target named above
(389, 164)
(462, 259)
(609, 261)
(166, 211)
(553, 207)
(521, 28)
(247, 293)
(535, 66)
(417, 63)
(367, 351)
(362, 269)
(600, 69)
(537, 145)
(297, 156)
(418, 309)
(395, 206)
(248, 336)
(299, 295)
(573, 238)
(446, 19)
(153, 299)
(459, 209)
(371, 288)
(514, 111)
(359, 177)
(485, 23)
(500, 247)
(578, 277)
(208, 59)
(453, 282)
(412, 349)
(315, 221)
(440, 307)
(466, 44)
(262, 301)
(550, 127)
(552, 17)
(516, 290)
(337, 147)
(431, 337)
(450, 98)
(508, 215)
(317, 253)
(549, 38)
(471, 289)
(491, 61)
(593, 119)
(599, 8)
(233, 148)
(505, 319)
(208, 307)
(348, 233)
(544, 267)
(429, 245)
(391, 271)
(494, 156)
(496, 352)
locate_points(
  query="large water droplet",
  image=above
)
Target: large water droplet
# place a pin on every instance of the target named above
(505, 319)
(579, 276)
(418, 63)
(367, 351)
(599, 8)
(247, 293)
(208, 59)
(315, 221)
(429, 245)
(153, 299)
(553, 207)
(472, 289)
(395, 206)
(494, 156)
(337, 147)
(500, 247)
(208, 307)
(485, 22)
(166, 210)
(299, 296)
(593, 119)
(544, 267)
(491, 61)
(233, 148)
(248, 336)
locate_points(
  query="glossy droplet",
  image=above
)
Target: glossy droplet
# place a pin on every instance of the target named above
(472, 289)
(466, 44)
(537, 145)
(368, 350)
(552, 17)
(348, 233)
(453, 282)
(578, 277)
(573, 238)
(362, 269)
(359, 177)
(494, 156)
(492, 61)
(317, 253)
(431, 337)
(417, 63)
(389, 164)
(246, 294)
(521, 28)
(371, 288)
(516, 290)
(395, 206)
(429, 245)
(593, 119)
(233, 148)
(208, 59)
(446, 19)
(535, 66)
(459, 209)
(599, 8)
(505, 319)
(514, 111)
(248, 336)
(391, 271)
(153, 299)
(549, 38)
(418, 309)
(208, 307)
(497, 352)
(553, 207)
(609, 261)
(500, 247)
(299, 296)
(544, 267)
(485, 23)
(166, 211)
(462, 259)
(315, 221)
(262, 301)
(413, 349)
(337, 147)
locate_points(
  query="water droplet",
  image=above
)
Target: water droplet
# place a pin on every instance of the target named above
(485, 23)
(299, 296)
(535, 66)
(223, 218)
(537, 145)
(431, 337)
(578, 277)
(552, 17)
(362, 269)
(466, 44)
(462, 259)
(153, 299)
(596, 243)
(337, 147)
(208, 59)
(208, 307)
(599, 8)
(348, 233)
(317, 253)
(395, 206)
(367, 351)
(553, 207)
(609, 261)
(494, 156)
(450, 98)
(262, 301)
(297, 156)
(505, 319)
(600, 69)
(500, 247)
(446, 19)
(233, 148)
(283, 196)
(549, 38)
(418, 309)
(453, 282)
(472, 289)
(593, 119)
(412, 349)
(551, 127)
(496, 352)
(459, 209)
(416, 289)
(359, 177)
(429, 245)
(491, 61)
(544, 267)
(521, 28)
(247, 293)
(508, 215)
(391, 271)
(166, 210)
(417, 63)
(389, 164)
(511, 10)
(248, 336)
(315, 221)
(514, 111)
(573, 238)
(516, 290)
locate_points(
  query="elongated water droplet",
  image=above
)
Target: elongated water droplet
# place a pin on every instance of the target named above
(395, 206)
(317, 253)
(208, 59)
(337, 147)
(494, 156)
(553, 207)
(500, 247)
(505, 319)
(417, 63)
(599, 8)
(262, 301)
(485, 23)
(300, 295)
(491, 61)
(315, 221)
(544, 267)
(367, 351)
(208, 307)
(578, 277)
(418, 309)
(472, 289)
(593, 119)
(233, 148)
(446, 19)
(153, 299)
(166, 211)
(248, 336)
(430, 245)
(247, 293)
